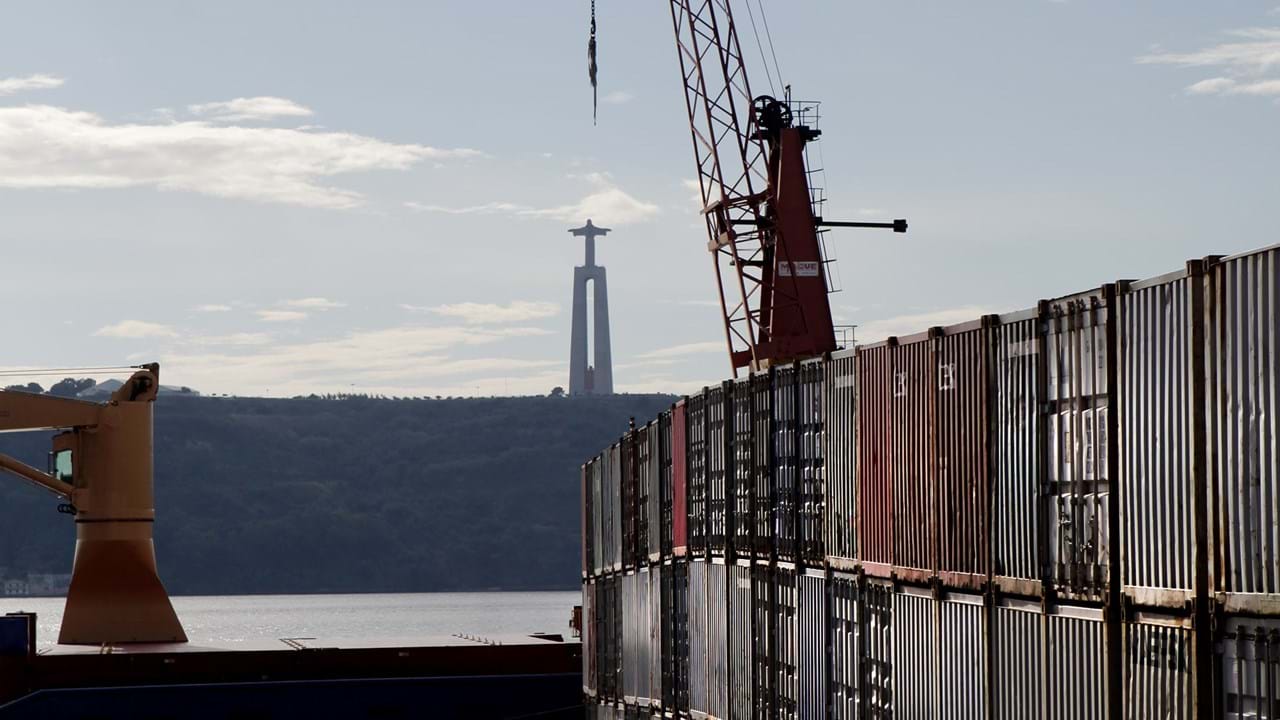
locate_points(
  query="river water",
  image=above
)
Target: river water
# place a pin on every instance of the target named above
(229, 620)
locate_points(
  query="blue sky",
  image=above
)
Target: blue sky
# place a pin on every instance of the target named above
(283, 198)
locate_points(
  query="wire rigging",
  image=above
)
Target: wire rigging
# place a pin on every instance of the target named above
(763, 59)
(769, 36)
(34, 372)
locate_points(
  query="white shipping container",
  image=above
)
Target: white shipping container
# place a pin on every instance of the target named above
(1017, 660)
(811, 646)
(1076, 664)
(840, 462)
(1017, 514)
(1159, 668)
(915, 655)
(1249, 669)
(844, 622)
(962, 658)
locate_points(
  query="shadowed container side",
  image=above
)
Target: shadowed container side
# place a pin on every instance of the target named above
(962, 657)
(699, 692)
(1017, 513)
(915, 655)
(741, 645)
(1077, 403)
(741, 469)
(1155, 446)
(786, 458)
(1248, 669)
(634, 508)
(1242, 303)
(589, 649)
(1159, 656)
(811, 645)
(1017, 660)
(766, 497)
(845, 636)
(766, 592)
(875, 459)
(840, 448)
(963, 452)
(719, 420)
(698, 478)
(914, 452)
(877, 685)
(680, 490)
(812, 490)
(612, 491)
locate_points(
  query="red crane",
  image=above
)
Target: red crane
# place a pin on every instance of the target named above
(762, 228)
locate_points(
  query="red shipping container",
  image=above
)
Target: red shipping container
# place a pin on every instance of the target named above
(875, 467)
(679, 475)
(914, 400)
(963, 448)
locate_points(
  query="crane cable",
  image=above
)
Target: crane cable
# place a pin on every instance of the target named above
(768, 36)
(591, 63)
(58, 371)
(768, 75)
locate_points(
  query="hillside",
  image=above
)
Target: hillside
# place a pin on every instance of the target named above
(350, 495)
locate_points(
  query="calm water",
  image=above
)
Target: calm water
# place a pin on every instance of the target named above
(230, 619)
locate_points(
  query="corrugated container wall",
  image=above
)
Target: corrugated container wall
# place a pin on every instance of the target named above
(679, 637)
(1076, 664)
(841, 452)
(612, 488)
(781, 603)
(590, 520)
(914, 450)
(877, 684)
(657, 635)
(1017, 660)
(666, 485)
(845, 623)
(1248, 660)
(636, 637)
(875, 459)
(719, 467)
(632, 504)
(698, 479)
(915, 655)
(650, 536)
(589, 638)
(1159, 660)
(679, 480)
(963, 452)
(786, 458)
(1017, 513)
(811, 646)
(764, 496)
(742, 465)
(1242, 380)
(699, 691)
(1079, 359)
(1155, 413)
(717, 640)
(962, 658)
(812, 490)
(741, 646)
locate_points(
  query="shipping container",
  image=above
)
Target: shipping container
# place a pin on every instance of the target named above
(1159, 668)
(811, 645)
(1241, 379)
(743, 482)
(1018, 513)
(679, 480)
(963, 453)
(608, 638)
(844, 625)
(1156, 412)
(962, 658)
(914, 450)
(1076, 657)
(611, 490)
(764, 496)
(590, 522)
(786, 459)
(812, 490)
(699, 691)
(1017, 660)
(1248, 660)
(677, 640)
(698, 480)
(632, 500)
(784, 618)
(666, 486)
(764, 645)
(877, 686)
(719, 419)
(741, 641)
(657, 690)
(636, 646)
(589, 638)
(840, 448)
(649, 500)
(1080, 362)
(875, 459)
(914, 657)
(718, 639)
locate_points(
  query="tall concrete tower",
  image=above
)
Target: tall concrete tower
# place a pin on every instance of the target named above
(587, 379)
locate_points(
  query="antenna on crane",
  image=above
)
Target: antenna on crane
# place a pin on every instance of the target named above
(591, 63)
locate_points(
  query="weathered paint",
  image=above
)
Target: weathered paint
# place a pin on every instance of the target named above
(1159, 668)
(840, 448)
(811, 646)
(679, 480)
(962, 658)
(1017, 660)
(1248, 669)
(1017, 515)
(1242, 380)
(1075, 664)
(844, 622)
(915, 655)
(875, 459)
(1155, 413)
(812, 489)
(914, 450)
(963, 452)
(1077, 403)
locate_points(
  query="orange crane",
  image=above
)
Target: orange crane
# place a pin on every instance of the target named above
(762, 228)
(102, 467)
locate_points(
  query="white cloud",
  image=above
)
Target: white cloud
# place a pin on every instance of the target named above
(233, 339)
(280, 315)
(684, 350)
(212, 308)
(135, 329)
(49, 147)
(606, 203)
(1251, 63)
(315, 303)
(254, 108)
(901, 325)
(491, 314)
(618, 97)
(9, 86)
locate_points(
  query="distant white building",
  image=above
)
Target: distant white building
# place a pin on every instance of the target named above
(48, 583)
(14, 588)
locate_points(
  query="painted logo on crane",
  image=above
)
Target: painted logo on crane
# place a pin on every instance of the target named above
(807, 268)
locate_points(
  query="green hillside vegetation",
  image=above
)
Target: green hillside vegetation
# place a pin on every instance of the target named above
(353, 494)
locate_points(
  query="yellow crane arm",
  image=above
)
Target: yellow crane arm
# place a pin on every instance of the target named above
(43, 479)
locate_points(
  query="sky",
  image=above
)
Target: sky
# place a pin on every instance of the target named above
(293, 197)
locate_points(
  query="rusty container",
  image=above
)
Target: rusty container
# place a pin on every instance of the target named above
(719, 418)
(963, 451)
(811, 493)
(679, 479)
(1017, 440)
(1080, 387)
(875, 459)
(786, 458)
(914, 401)
(840, 449)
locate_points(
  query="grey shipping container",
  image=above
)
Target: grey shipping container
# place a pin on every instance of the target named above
(1017, 660)
(612, 489)
(699, 690)
(1248, 669)
(634, 503)
(666, 486)
(656, 629)
(677, 640)
(743, 482)
(1080, 363)
(588, 638)
(636, 643)
(914, 655)
(784, 630)
(1159, 668)
(765, 589)
(765, 506)
(786, 458)
(717, 640)
(652, 469)
(719, 421)
(1076, 657)
(1017, 513)
(915, 509)
(877, 684)
(962, 658)
(1241, 379)
(696, 467)
(741, 641)
(812, 490)
(840, 441)
(811, 646)
(1156, 384)
(844, 623)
